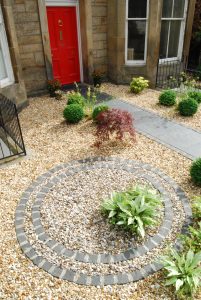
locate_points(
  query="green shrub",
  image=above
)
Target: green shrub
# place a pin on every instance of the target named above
(196, 96)
(167, 98)
(195, 172)
(193, 239)
(183, 271)
(138, 84)
(75, 98)
(98, 109)
(73, 113)
(133, 210)
(196, 205)
(188, 107)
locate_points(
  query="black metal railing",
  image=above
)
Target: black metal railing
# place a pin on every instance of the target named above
(11, 140)
(169, 72)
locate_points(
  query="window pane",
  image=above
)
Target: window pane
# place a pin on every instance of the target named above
(167, 8)
(136, 40)
(3, 73)
(174, 38)
(179, 8)
(164, 38)
(137, 8)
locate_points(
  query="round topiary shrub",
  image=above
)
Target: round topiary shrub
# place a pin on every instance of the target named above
(97, 110)
(167, 98)
(138, 84)
(195, 172)
(73, 113)
(75, 98)
(196, 96)
(188, 107)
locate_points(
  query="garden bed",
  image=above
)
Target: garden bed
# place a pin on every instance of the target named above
(51, 142)
(148, 99)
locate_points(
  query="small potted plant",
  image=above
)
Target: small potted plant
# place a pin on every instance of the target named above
(53, 86)
(97, 78)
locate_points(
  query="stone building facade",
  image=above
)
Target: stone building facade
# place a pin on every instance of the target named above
(121, 38)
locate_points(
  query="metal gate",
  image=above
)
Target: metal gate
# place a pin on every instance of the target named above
(11, 140)
(169, 72)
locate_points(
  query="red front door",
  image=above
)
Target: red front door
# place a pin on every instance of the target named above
(62, 24)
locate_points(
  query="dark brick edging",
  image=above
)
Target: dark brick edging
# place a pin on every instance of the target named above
(80, 278)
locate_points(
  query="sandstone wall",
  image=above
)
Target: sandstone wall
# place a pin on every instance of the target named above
(99, 34)
(26, 18)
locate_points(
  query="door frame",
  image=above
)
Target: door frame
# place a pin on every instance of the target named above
(70, 3)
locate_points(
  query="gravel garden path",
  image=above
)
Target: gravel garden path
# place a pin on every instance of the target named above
(52, 147)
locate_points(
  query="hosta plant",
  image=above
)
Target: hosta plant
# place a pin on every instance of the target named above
(114, 123)
(133, 210)
(183, 271)
(193, 239)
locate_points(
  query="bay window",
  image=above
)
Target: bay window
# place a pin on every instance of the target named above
(172, 28)
(6, 73)
(136, 31)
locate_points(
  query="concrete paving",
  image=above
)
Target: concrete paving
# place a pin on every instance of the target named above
(183, 139)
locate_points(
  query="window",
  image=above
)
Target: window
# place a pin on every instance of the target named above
(136, 31)
(6, 73)
(172, 28)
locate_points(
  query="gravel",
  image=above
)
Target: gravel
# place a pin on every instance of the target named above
(49, 142)
(148, 99)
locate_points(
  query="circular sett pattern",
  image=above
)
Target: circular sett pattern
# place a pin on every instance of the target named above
(54, 176)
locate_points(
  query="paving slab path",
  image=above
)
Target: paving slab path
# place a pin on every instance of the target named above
(181, 138)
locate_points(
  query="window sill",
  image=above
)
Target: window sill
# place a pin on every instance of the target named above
(5, 83)
(142, 64)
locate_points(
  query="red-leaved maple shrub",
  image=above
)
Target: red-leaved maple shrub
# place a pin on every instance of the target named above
(114, 123)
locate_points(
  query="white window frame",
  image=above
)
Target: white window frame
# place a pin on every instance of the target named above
(136, 62)
(6, 55)
(182, 32)
(74, 3)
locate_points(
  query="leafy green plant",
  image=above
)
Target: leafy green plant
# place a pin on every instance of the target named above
(195, 171)
(188, 107)
(167, 98)
(90, 102)
(53, 86)
(195, 95)
(197, 208)
(193, 239)
(183, 271)
(138, 84)
(133, 210)
(75, 98)
(73, 113)
(97, 110)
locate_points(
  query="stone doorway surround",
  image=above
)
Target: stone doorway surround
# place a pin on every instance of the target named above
(85, 20)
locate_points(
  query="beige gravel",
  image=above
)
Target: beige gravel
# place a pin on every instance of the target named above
(50, 141)
(148, 99)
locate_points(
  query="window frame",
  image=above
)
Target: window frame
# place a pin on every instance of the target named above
(6, 55)
(181, 37)
(136, 62)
